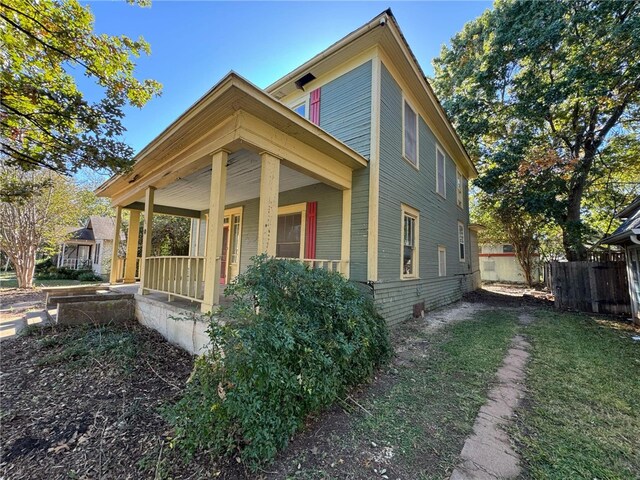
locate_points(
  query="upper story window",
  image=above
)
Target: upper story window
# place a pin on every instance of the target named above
(410, 231)
(461, 242)
(459, 189)
(301, 109)
(410, 134)
(441, 186)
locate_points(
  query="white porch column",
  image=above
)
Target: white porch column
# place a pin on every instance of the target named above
(345, 245)
(213, 254)
(133, 235)
(146, 235)
(113, 274)
(61, 257)
(268, 215)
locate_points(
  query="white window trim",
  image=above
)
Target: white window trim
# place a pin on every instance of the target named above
(464, 242)
(406, 101)
(406, 210)
(442, 273)
(296, 208)
(460, 190)
(444, 176)
(301, 101)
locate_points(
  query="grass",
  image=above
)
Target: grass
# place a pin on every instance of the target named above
(8, 280)
(422, 412)
(432, 408)
(582, 417)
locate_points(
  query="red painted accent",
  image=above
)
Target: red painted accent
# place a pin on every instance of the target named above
(314, 106)
(310, 237)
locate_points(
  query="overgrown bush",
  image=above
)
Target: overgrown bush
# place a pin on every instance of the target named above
(44, 264)
(296, 341)
(89, 277)
(64, 273)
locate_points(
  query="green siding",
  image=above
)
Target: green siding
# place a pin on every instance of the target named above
(400, 183)
(329, 221)
(345, 108)
(345, 112)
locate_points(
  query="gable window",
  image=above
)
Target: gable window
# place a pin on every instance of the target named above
(459, 189)
(441, 187)
(410, 134)
(461, 246)
(410, 231)
(301, 109)
(291, 231)
(442, 262)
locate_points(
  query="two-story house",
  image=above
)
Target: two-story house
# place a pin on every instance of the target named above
(347, 163)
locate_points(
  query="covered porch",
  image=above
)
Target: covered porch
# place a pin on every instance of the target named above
(254, 177)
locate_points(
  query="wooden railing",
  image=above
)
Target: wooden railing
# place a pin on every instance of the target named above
(179, 276)
(76, 263)
(339, 266)
(121, 266)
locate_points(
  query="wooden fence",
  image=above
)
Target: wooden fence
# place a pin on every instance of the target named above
(598, 287)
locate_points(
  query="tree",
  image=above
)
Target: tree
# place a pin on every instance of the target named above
(509, 223)
(36, 222)
(45, 121)
(170, 235)
(538, 90)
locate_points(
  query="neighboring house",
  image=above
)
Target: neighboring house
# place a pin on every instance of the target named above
(347, 163)
(628, 236)
(89, 247)
(498, 263)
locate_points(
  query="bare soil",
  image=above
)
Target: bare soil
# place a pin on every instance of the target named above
(100, 417)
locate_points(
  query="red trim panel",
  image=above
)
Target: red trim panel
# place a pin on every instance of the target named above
(310, 244)
(314, 106)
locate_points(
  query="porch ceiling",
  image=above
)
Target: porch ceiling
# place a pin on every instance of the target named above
(243, 183)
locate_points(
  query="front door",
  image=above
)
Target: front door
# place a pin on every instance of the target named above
(225, 252)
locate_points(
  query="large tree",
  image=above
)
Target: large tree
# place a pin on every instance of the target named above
(538, 90)
(45, 120)
(38, 221)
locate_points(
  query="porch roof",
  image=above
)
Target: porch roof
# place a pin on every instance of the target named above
(215, 121)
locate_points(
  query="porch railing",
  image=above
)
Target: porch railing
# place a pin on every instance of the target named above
(339, 266)
(76, 263)
(121, 263)
(179, 276)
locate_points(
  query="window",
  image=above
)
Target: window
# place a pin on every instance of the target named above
(507, 249)
(96, 255)
(410, 140)
(301, 109)
(291, 231)
(442, 262)
(461, 248)
(440, 173)
(409, 253)
(459, 189)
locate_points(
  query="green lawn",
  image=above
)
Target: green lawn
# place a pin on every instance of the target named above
(582, 417)
(8, 280)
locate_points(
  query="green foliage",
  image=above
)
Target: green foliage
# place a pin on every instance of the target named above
(539, 91)
(46, 121)
(64, 273)
(297, 341)
(170, 235)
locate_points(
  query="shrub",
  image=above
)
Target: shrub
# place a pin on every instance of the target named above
(64, 273)
(89, 277)
(44, 264)
(296, 341)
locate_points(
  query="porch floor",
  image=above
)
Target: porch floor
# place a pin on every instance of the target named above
(163, 297)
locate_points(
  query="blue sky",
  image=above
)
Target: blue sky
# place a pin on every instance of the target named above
(194, 44)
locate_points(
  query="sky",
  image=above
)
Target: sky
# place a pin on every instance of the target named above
(194, 44)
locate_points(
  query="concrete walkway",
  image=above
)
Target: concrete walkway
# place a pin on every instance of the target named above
(487, 453)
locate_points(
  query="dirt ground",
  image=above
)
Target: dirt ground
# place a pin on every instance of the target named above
(66, 413)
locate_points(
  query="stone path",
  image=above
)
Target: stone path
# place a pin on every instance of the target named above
(487, 453)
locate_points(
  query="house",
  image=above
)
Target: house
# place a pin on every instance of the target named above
(89, 247)
(347, 163)
(627, 235)
(498, 263)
